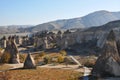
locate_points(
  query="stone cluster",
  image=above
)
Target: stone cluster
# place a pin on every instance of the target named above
(48, 40)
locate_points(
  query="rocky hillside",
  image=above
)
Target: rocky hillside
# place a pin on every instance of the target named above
(97, 18)
(93, 19)
(107, 27)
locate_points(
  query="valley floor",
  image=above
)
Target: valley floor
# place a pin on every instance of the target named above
(46, 72)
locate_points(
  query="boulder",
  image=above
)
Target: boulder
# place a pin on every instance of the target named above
(108, 64)
(29, 62)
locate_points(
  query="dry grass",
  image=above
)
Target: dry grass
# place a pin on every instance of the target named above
(37, 57)
(4, 67)
(88, 61)
(1, 52)
(22, 57)
(43, 74)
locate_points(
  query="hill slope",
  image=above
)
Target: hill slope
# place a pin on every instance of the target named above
(107, 27)
(93, 19)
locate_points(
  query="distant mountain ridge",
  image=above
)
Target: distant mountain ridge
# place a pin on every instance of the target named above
(13, 28)
(113, 25)
(97, 18)
(93, 19)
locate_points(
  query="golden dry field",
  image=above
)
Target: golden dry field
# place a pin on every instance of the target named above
(40, 74)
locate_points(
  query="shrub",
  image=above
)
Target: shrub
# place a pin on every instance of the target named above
(42, 54)
(39, 56)
(63, 52)
(5, 57)
(47, 59)
(22, 57)
(1, 49)
(89, 63)
(60, 59)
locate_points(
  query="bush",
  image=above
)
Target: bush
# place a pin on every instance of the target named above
(47, 59)
(5, 57)
(1, 49)
(22, 57)
(63, 52)
(39, 56)
(42, 54)
(89, 63)
(60, 59)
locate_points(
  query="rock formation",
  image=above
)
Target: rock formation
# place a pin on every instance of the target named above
(12, 49)
(25, 41)
(45, 45)
(108, 64)
(118, 46)
(29, 62)
(3, 42)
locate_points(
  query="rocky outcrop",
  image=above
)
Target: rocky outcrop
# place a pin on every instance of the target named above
(118, 46)
(29, 62)
(3, 42)
(108, 64)
(11, 48)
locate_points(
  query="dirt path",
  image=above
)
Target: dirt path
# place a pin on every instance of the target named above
(15, 65)
(84, 70)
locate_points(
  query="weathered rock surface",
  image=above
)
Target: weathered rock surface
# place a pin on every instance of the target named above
(108, 64)
(29, 62)
(11, 48)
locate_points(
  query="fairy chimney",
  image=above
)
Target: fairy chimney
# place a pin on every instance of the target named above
(12, 49)
(108, 64)
(3, 42)
(29, 62)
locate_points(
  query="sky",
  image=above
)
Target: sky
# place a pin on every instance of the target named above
(33, 12)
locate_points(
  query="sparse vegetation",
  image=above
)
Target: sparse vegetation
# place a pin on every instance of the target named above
(42, 54)
(1, 49)
(4, 67)
(22, 57)
(39, 56)
(88, 61)
(60, 59)
(43, 74)
(5, 57)
(63, 52)
(47, 59)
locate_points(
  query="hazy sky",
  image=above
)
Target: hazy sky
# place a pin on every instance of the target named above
(21, 12)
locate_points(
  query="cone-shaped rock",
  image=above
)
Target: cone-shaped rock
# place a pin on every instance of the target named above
(29, 62)
(108, 64)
